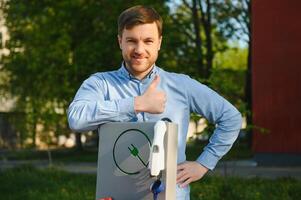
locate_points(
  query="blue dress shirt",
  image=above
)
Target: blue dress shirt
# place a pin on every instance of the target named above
(109, 96)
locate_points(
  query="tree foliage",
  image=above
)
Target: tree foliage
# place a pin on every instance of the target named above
(55, 45)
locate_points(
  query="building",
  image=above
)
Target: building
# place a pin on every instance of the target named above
(276, 76)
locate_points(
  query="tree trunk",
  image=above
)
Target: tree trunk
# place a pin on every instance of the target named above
(34, 126)
(198, 39)
(206, 22)
(209, 53)
(34, 134)
(79, 145)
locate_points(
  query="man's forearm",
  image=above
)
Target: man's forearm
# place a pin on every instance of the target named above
(220, 142)
(84, 115)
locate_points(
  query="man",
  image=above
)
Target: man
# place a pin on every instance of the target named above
(141, 91)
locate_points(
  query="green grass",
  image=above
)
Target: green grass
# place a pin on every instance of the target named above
(211, 188)
(58, 155)
(29, 183)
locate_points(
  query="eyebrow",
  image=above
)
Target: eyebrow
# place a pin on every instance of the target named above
(132, 38)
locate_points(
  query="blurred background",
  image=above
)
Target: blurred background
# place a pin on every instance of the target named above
(246, 51)
(50, 47)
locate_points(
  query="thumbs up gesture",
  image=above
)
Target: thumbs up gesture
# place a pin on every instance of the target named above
(152, 101)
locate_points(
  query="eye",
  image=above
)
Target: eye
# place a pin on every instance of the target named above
(149, 41)
(130, 41)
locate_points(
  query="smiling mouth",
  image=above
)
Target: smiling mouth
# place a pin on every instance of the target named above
(138, 59)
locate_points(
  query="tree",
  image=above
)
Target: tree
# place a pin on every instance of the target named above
(206, 29)
(54, 46)
(201, 17)
(196, 31)
(235, 21)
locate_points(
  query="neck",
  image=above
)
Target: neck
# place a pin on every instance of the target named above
(137, 75)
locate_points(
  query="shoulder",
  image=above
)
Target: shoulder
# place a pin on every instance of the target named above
(185, 83)
(99, 80)
(171, 75)
(103, 76)
(179, 78)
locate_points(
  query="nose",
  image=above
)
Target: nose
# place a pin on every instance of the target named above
(139, 48)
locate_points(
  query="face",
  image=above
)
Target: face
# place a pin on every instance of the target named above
(140, 46)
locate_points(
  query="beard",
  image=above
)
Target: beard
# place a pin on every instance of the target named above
(138, 68)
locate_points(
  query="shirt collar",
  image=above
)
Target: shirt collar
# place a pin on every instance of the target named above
(125, 73)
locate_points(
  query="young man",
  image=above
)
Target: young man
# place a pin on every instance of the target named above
(141, 91)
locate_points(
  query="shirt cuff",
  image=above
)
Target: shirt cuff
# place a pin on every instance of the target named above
(126, 107)
(208, 160)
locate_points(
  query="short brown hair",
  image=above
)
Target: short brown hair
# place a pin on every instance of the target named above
(139, 15)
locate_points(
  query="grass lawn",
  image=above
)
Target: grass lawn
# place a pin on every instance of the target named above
(29, 183)
(58, 155)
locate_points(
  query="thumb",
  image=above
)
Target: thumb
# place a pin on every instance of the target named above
(155, 82)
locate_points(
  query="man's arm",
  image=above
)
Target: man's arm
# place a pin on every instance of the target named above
(227, 118)
(89, 108)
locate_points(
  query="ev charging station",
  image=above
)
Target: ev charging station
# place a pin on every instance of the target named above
(137, 160)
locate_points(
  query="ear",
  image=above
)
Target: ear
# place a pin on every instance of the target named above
(160, 41)
(119, 41)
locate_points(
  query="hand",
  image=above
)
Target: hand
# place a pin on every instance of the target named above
(190, 171)
(152, 101)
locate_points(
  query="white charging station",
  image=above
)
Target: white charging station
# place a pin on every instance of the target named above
(128, 154)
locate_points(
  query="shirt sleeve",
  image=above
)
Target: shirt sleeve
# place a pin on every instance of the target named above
(89, 108)
(217, 110)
